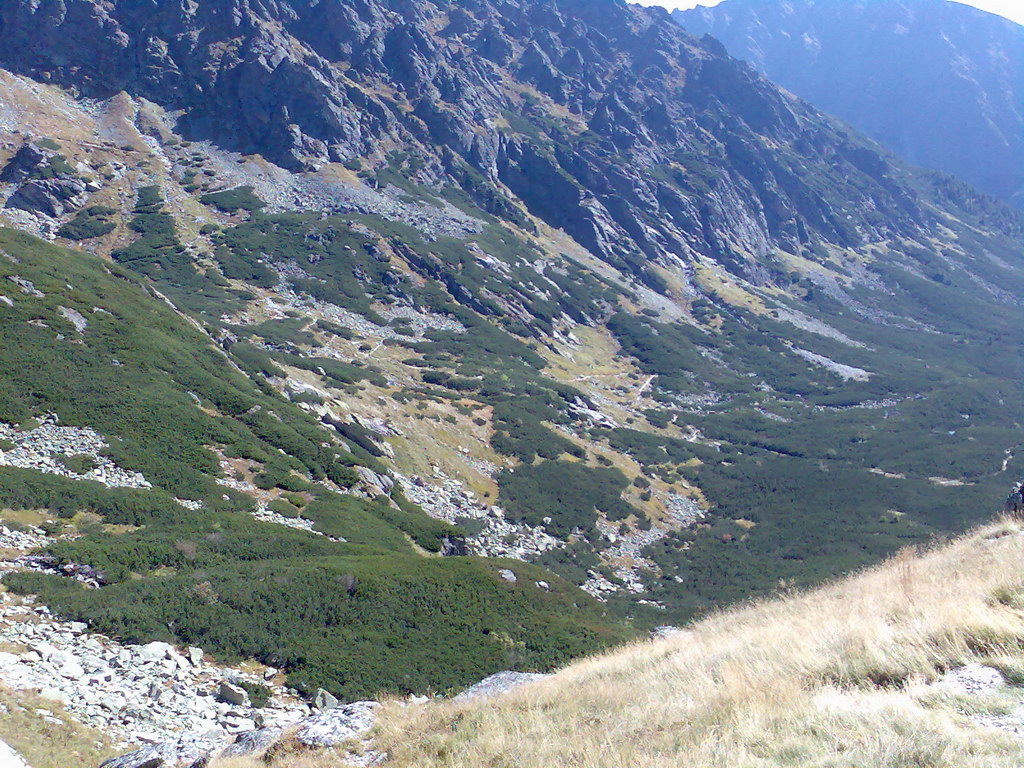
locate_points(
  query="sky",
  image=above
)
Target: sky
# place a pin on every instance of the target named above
(1011, 9)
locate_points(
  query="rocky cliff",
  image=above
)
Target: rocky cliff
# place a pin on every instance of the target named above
(603, 119)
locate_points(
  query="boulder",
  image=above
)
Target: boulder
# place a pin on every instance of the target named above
(9, 758)
(147, 757)
(233, 694)
(253, 743)
(154, 651)
(53, 197)
(335, 726)
(23, 163)
(324, 700)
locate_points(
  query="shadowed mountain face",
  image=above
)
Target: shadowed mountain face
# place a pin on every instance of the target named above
(939, 83)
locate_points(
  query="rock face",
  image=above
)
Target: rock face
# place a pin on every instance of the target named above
(604, 119)
(9, 758)
(497, 684)
(940, 83)
(44, 188)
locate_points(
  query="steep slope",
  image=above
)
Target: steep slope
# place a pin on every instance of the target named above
(917, 662)
(169, 444)
(939, 83)
(674, 355)
(605, 120)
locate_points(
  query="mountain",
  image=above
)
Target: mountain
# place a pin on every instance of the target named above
(389, 345)
(939, 83)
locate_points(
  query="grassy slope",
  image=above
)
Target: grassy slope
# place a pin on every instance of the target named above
(45, 743)
(834, 677)
(220, 579)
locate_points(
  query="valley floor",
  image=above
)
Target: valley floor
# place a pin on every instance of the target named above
(916, 663)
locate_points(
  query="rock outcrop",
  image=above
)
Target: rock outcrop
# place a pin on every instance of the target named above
(44, 186)
(9, 758)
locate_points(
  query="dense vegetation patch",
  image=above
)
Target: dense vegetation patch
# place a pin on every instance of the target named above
(359, 614)
(564, 495)
(90, 222)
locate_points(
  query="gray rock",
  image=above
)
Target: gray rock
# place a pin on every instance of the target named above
(154, 651)
(335, 726)
(253, 743)
(9, 758)
(324, 700)
(147, 757)
(507, 575)
(53, 197)
(497, 684)
(232, 694)
(23, 163)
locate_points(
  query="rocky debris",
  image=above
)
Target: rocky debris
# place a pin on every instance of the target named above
(626, 551)
(9, 758)
(421, 320)
(263, 513)
(683, 509)
(27, 287)
(24, 538)
(972, 679)
(666, 631)
(497, 684)
(447, 499)
(51, 197)
(508, 575)
(284, 191)
(599, 586)
(976, 680)
(327, 730)
(42, 447)
(842, 370)
(83, 574)
(814, 325)
(287, 299)
(337, 725)
(137, 694)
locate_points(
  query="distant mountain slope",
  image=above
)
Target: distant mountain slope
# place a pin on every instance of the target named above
(939, 83)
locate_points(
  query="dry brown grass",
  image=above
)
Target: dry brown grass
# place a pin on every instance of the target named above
(25, 726)
(833, 678)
